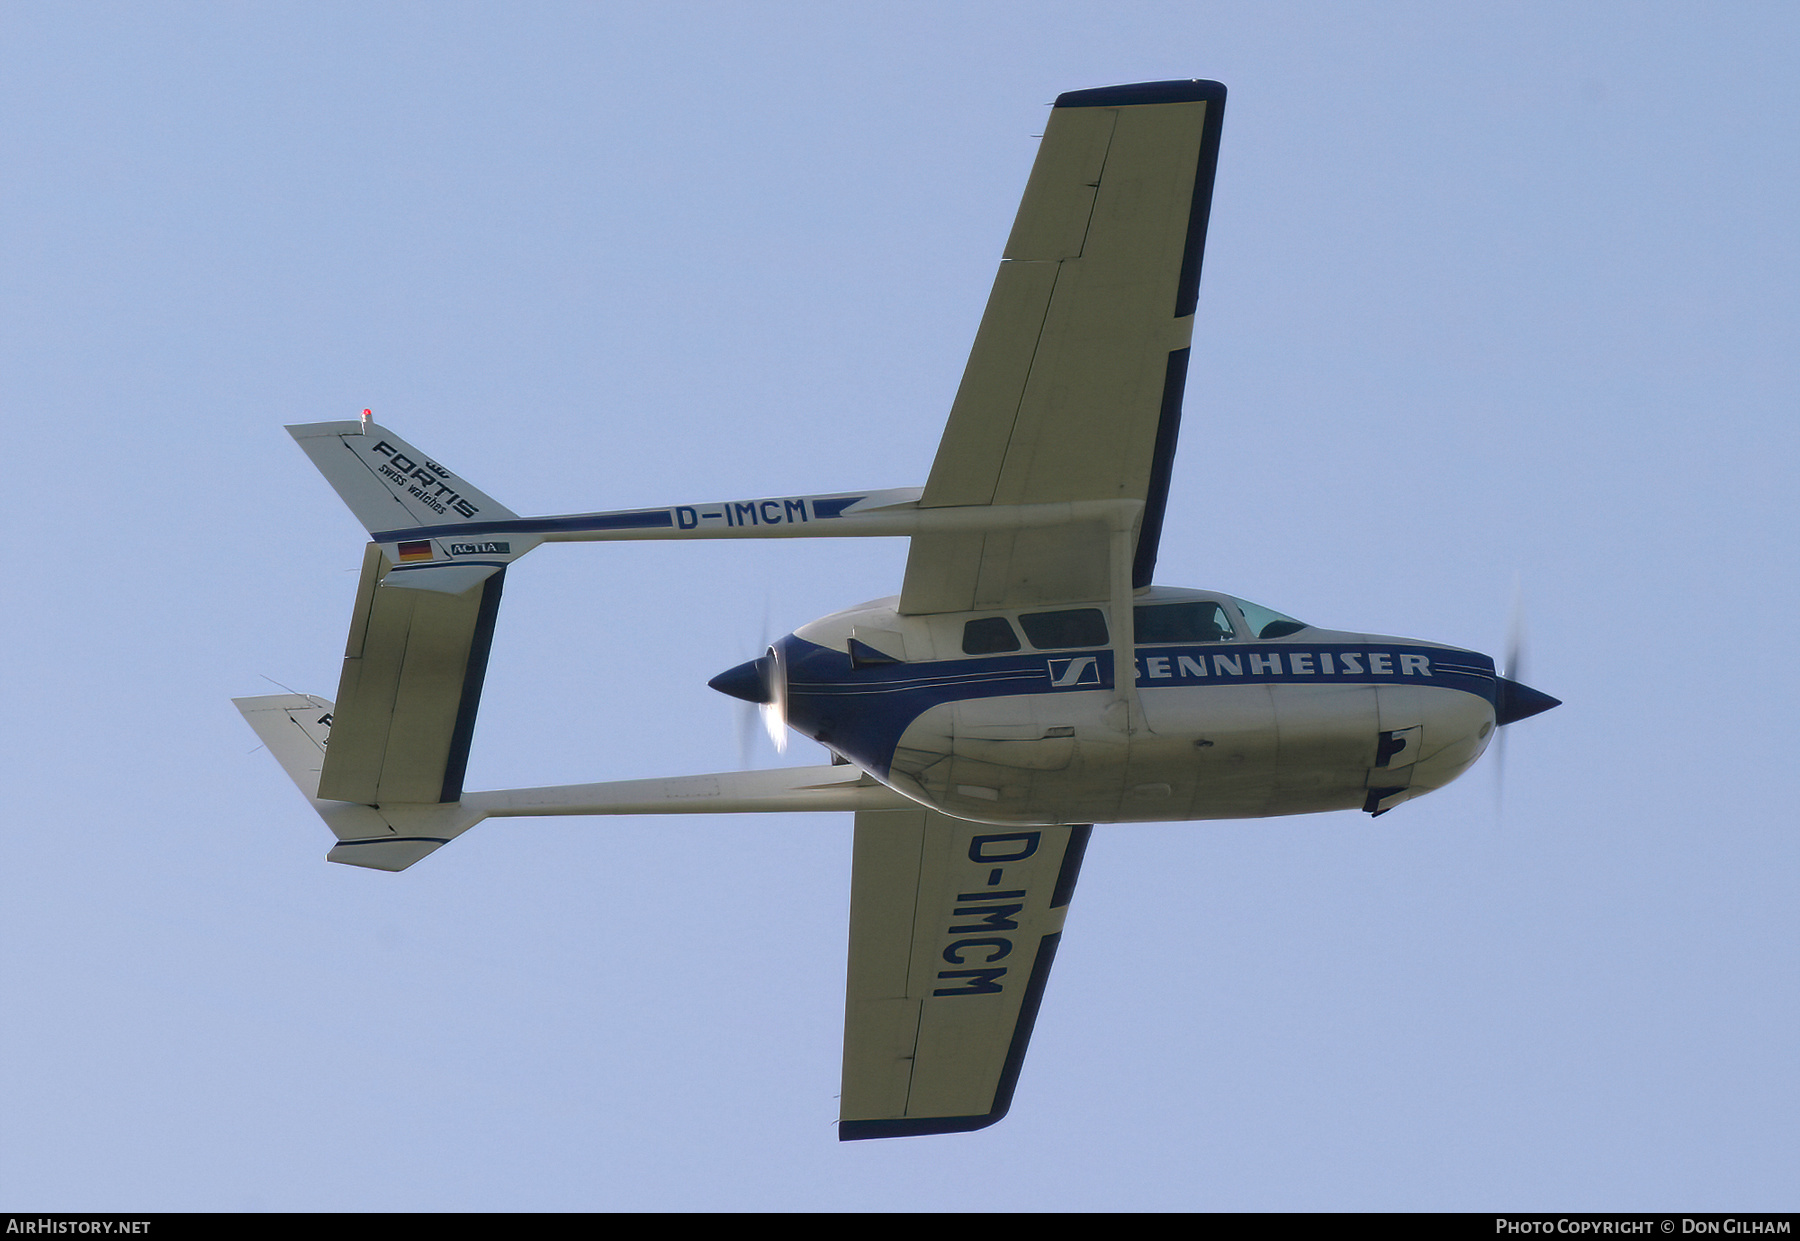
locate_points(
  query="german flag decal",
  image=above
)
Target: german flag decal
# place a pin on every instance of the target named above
(415, 551)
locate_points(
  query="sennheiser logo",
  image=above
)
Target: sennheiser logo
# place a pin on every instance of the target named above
(1077, 670)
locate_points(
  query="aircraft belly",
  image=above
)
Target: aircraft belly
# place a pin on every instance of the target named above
(1218, 743)
(1027, 758)
(1327, 741)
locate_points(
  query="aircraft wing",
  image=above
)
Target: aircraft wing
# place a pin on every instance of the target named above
(953, 927)
(1073, 388)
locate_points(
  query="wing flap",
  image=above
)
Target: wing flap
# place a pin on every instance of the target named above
(953, 926)
(993, 385)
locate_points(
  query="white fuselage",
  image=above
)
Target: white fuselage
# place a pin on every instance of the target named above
(1229, 727)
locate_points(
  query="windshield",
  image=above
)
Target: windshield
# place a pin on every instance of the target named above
(1267, 622)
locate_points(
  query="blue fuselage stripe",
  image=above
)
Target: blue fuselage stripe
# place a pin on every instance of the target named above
(861, 712)
(776, 512)
(647, 519)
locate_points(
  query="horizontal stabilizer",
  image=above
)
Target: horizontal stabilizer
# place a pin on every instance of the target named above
(413, 671)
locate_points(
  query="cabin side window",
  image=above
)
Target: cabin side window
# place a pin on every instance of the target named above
(1181, 622)
(1055, 631)
(989, 636)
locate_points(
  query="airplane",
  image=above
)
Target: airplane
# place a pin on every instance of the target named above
(979, 722)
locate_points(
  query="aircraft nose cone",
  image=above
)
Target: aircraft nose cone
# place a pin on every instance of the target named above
(1517, 701)
(749, 681)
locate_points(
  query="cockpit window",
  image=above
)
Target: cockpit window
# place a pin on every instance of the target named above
(1267, 622)
(989, 635)
(1060, 630)
(1181, 622)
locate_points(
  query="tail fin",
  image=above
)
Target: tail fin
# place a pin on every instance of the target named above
(432, 525)
(296, 728)
(391, 486)
(416, 656)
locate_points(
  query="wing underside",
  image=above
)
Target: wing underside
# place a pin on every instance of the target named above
(1073, 387)
(953, 928)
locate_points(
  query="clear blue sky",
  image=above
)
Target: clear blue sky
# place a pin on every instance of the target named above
(1490, 289)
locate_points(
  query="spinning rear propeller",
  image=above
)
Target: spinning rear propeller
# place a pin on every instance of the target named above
(774, 707)
(749, 708)
(763, 683)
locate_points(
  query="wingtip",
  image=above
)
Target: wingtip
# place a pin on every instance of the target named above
(915, 1127)
(1183, 90)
